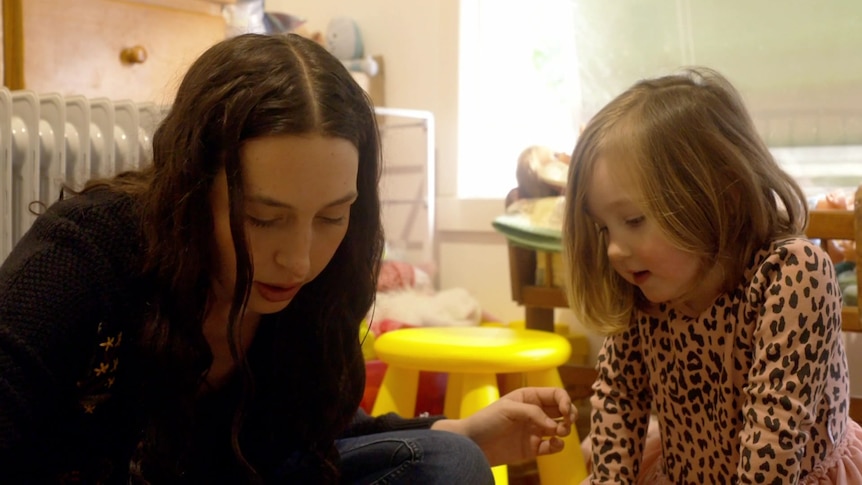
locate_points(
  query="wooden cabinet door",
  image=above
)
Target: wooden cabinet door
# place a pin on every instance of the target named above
(112, 48)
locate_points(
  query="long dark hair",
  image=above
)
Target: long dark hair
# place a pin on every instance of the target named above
(304, 382)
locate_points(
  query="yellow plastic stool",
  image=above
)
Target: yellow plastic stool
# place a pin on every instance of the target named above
(473, 356)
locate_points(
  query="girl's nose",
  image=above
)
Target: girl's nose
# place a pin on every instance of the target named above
(617, 250)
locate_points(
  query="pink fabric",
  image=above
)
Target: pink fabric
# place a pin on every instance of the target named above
(396, 275)
(379, 327)
(842, 467)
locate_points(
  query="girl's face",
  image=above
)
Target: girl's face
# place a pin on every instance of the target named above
(639, 251)
(298, 194)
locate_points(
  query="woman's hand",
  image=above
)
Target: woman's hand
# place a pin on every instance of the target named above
(521, 425)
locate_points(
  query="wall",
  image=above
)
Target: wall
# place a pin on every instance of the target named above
(419, 45)
(418, 42)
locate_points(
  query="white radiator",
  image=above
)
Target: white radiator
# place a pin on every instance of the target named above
(49, 140)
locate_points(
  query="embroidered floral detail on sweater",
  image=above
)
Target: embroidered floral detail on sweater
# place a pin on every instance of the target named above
(96, 385)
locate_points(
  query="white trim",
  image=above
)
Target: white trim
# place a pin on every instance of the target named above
(467, 215)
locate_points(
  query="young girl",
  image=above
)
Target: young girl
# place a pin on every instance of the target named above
(684, 243)
(198, 321)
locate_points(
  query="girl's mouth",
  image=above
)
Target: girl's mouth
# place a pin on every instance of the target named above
(640, 276)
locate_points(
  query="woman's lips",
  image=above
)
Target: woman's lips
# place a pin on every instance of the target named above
(276, 294)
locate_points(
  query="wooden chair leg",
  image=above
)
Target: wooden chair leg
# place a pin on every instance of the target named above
(538, 318)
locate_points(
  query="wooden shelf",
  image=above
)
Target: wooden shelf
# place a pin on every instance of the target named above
(544, 297)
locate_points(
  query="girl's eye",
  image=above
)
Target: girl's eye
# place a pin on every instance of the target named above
(634, 221)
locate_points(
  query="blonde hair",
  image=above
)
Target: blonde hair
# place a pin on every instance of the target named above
(693, 156)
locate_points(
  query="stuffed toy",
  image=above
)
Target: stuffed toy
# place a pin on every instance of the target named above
(344, 41)
(287, 23)
(540, 172)
(452, 307)
(399, 275)
(406, 298)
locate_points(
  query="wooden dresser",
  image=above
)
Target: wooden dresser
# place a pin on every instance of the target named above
(119, 49)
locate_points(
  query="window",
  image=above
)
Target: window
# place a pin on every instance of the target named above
(519, 87)
(534, 74)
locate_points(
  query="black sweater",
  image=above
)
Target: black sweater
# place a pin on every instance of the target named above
(71, 302)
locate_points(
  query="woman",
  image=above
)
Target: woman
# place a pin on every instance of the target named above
(197, 321)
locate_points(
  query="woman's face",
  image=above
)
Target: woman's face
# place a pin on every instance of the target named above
(298, 194)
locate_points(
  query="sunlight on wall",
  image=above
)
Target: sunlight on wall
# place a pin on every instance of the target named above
(518, 87)
(534, 75)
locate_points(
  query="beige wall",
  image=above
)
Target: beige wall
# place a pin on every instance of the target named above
(419, 43)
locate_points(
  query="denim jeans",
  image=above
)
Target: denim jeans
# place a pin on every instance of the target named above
(417, 457)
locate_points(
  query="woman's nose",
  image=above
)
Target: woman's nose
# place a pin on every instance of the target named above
(295, 255)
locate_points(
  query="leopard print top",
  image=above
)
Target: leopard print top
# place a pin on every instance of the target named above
(754, 390)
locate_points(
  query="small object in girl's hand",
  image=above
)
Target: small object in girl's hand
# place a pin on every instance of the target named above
(560, 419)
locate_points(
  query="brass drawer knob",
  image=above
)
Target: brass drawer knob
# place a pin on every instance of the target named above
(134, 55)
